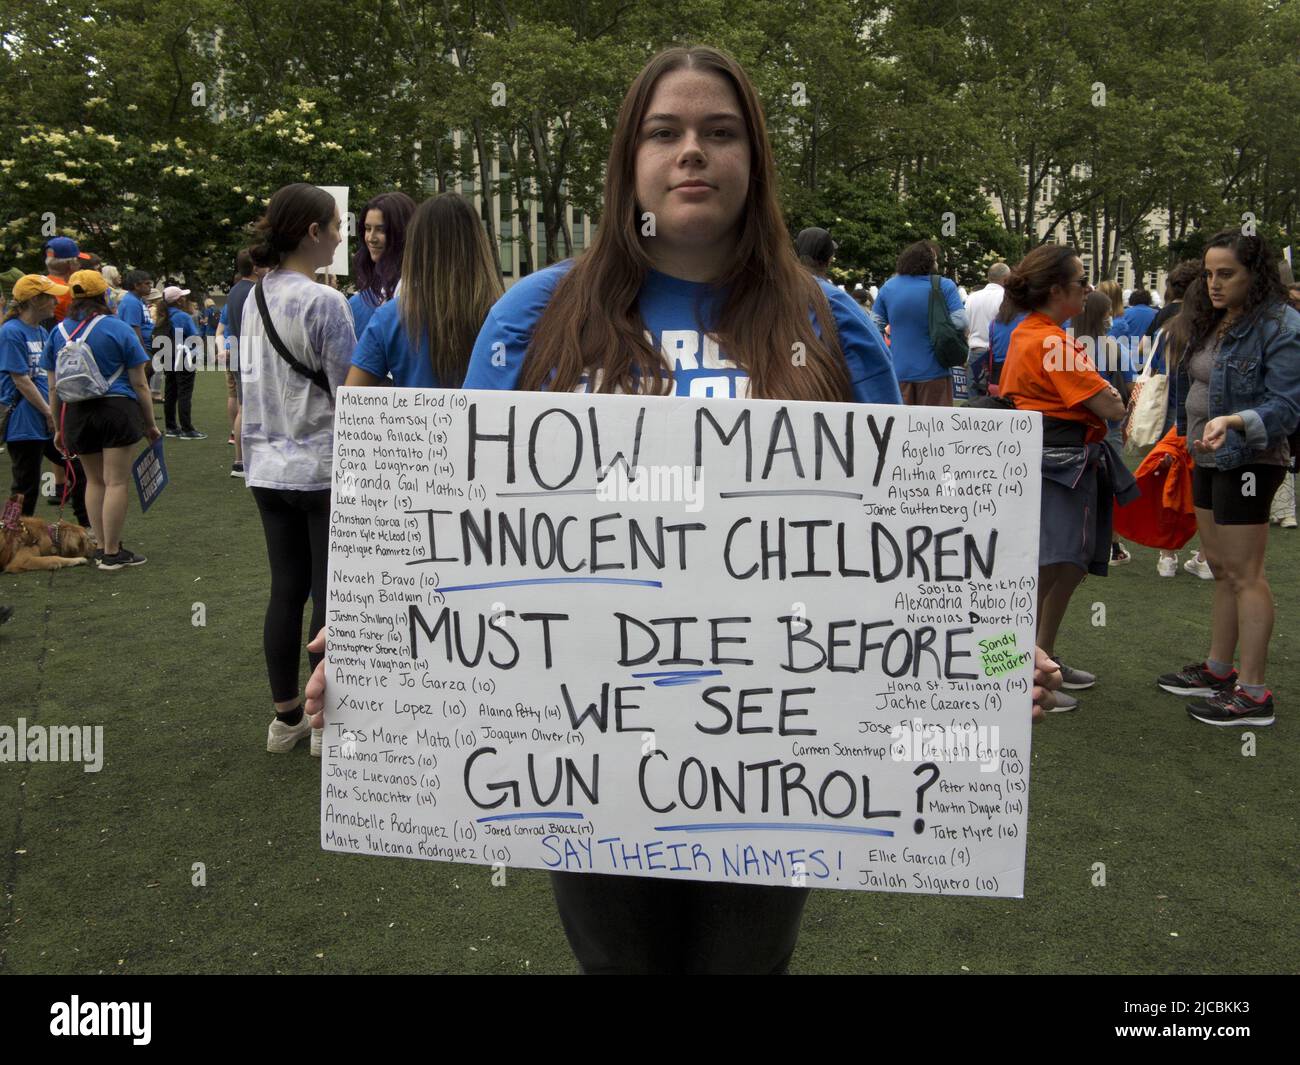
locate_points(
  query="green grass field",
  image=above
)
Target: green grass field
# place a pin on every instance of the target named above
(1199, 841)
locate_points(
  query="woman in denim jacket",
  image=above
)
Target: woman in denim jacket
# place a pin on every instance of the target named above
(1235, 357)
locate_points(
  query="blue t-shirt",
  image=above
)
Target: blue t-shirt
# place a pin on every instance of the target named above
(182, 328)
(385, 351)
(183, 323)
(112, 342)
(132, 311)
(668, 310)
(1134, 322)
(362, 310)
(1000, 336)
(904, 305)
(21, 348)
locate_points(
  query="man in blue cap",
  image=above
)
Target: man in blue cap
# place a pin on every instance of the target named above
(60, 261)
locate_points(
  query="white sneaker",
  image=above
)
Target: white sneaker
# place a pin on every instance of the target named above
(1289, 522)
(1167, 566)
(1199, 567)
(317, 738)
(282, 738)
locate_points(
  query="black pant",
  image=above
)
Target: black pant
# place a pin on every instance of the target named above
(296, 525)
(178, 390)
(26, 457)
(643, 925)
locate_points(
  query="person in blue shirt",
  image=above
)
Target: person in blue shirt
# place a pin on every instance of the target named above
(904, 306)
(132, 310)
(378, 262)
(103, 431)
(999, 342)
(25, 393)
(1135, 321)
(423, 338)
(209, 318)
(712, 302)
(173, 326)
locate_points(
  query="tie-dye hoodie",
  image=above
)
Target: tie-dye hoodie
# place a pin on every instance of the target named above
(288, 426)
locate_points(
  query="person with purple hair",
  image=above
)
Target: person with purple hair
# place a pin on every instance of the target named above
(378, 264)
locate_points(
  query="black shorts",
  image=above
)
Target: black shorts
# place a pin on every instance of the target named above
(1224, 492)
(90, 425)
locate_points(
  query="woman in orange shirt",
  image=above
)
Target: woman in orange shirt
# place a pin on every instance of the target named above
(1048, 372)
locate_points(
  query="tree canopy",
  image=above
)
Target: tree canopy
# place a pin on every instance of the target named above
(155, 133)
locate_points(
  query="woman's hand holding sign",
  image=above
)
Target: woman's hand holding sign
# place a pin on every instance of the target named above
(314, 705)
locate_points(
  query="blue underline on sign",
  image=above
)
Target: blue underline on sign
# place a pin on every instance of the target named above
(673, 677)
(773, 826)
(556, 815)
(791, 492)
(553, 580)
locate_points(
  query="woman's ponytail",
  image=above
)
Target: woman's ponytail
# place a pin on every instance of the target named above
(290, 214)
(1030, 285)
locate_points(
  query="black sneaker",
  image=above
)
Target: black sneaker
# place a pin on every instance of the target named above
(98, 556)
(171, 432)
(192, 434)
(237, 469)
(6, 612)
(1233, 707)
(1196, 679)
(1119, 556)
(124, 557)
(55, 500)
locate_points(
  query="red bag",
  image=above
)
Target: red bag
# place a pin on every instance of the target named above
(1163, 515)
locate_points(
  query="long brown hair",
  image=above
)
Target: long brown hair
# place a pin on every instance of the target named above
(1115, 294)
(592, 321)
(1091, 326)
(1198, 318)
(449, 283)
(16, 308)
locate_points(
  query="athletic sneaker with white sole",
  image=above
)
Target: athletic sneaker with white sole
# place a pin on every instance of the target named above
(124, 557)
(1198, 567)
(1075, 679)
(282, 738)
(1196, 679)
(1063, 703)
(1167, 566)
(317, 741)
(1233, 707)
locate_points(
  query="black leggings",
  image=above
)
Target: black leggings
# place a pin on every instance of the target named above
(297, 546)
(178, 398)
(26, 458)
(645, 925)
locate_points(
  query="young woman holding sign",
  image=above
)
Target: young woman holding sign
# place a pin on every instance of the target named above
(105, 430)
(692, 241)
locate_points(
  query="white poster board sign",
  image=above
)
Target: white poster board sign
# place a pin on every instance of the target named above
(342, 263)
(794, 647)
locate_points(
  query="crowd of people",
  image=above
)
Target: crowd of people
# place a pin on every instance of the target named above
(429, 311)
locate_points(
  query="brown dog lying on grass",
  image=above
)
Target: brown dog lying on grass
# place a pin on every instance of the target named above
(35, 545)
